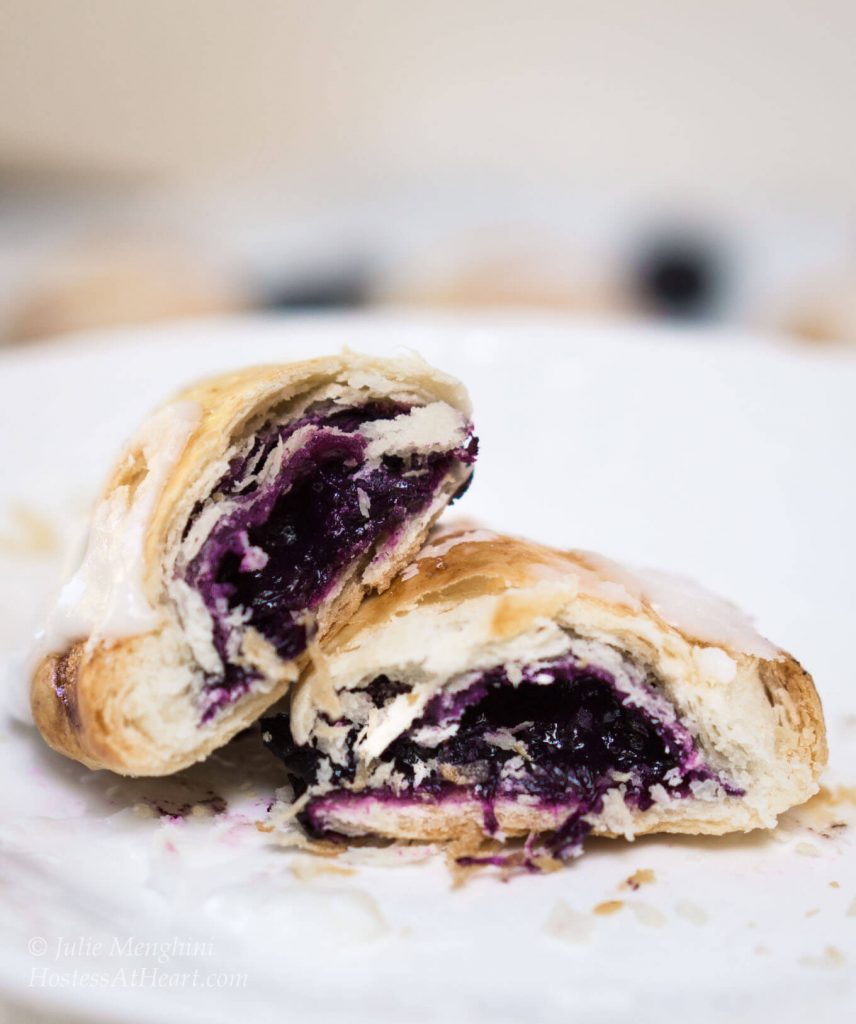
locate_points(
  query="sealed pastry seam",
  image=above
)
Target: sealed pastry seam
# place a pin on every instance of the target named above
(505, 687)
(245, 521)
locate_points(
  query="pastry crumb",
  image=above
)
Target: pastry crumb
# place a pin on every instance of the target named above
(851, 910)
(812, 912)
(608, 907)
(643, 876)
(306, 869)
(807, 850)
(834, 885)
(831, 957)
(547, 864)
(830, 809)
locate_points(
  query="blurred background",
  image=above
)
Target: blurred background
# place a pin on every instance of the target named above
(166, 158)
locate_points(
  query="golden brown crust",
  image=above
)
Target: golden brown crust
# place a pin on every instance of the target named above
(464, 571)
(76, 703)
(85, 700)
(791, 692)
(55, 704)
(81, 704)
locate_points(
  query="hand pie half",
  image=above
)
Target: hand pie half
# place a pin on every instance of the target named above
(245, 522)
(504, 689)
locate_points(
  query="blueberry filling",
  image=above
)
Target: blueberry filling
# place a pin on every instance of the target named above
(559, 737)
(301, 506)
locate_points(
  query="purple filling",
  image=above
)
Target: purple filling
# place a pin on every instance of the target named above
(284, 546)
(576, 727)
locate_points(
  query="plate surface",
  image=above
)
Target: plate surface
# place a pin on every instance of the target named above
(724, 458)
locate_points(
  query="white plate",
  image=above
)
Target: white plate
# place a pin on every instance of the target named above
(729, 459)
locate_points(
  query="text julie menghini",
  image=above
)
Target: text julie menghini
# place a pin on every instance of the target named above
(126, 962)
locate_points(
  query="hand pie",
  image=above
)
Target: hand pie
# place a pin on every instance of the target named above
(244, 523)
(503, 689)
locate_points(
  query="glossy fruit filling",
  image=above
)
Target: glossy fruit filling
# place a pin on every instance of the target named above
(560, 736)
(301, 507)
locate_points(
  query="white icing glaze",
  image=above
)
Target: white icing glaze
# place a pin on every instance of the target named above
(442, 544)
(687, 606)
(441, 541)
(105, 597)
